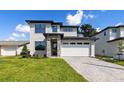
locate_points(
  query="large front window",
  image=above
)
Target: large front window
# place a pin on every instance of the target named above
(67, 29)
(54, 28)
(40, 28)
(40, 45)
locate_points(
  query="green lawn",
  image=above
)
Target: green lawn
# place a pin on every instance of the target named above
(110, 59)
(37, 70)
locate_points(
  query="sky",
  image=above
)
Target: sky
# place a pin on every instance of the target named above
(14, 27)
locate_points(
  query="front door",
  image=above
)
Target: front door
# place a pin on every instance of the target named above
(54, 47)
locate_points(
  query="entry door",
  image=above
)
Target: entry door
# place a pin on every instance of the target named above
(54, 47)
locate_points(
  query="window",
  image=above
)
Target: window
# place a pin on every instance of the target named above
(40, 28)
(72, 43)
(54, 28)
(40, 45)
(114, 30)
(104, 33)
(65, 43)
(86, 43)
(79, 43)
(67, 29)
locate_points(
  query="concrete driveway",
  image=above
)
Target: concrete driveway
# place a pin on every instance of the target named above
(95, 70)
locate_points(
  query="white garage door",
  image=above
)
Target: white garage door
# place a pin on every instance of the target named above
(75, 50)
(8, 51)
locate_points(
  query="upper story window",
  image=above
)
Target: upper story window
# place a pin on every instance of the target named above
(114, 30)
(67, 29)
(54, 28)
(40, 28)
(40, 45)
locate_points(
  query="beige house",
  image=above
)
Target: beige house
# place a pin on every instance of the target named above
(55, 39)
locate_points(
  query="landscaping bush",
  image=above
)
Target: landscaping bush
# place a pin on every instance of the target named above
(25, 52)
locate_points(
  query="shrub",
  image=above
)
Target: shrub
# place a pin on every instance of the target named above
(25, 52)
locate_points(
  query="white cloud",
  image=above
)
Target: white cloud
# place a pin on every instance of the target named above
(15, 34)
(11, 38)
(77, 18)
(22, 28)
(23, 35)
(74, 19)
(91, 16)
(98, 29)
(120, 23)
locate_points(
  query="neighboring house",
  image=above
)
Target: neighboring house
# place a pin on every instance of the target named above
(107, 44)
(55, 39)
(11, 48)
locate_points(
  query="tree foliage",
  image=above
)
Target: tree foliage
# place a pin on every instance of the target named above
(25, 52)
(87, 30)
(121, 47)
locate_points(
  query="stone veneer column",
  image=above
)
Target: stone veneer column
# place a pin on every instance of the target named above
(58, 47)
(48, 50)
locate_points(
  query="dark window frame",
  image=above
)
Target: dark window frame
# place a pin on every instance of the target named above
(41, 46)
(40, 28)
(86, 43)
(68, 29)
(105, 33)
(54, 28)
(72, 43)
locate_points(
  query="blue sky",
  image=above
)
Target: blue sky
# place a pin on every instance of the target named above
(14, 27)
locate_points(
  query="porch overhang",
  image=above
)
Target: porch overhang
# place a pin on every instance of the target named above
(80, 38)
(53, 34)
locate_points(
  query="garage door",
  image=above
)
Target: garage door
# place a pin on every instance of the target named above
(74, 49)
(8, 51)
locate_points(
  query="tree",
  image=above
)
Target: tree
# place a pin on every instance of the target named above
(25, 52)
(120, 48)
(87, 30)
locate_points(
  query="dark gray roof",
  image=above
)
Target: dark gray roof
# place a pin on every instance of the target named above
(13, 42)
(120, 38)
(108, 28)
(50, 21)
(43, 21)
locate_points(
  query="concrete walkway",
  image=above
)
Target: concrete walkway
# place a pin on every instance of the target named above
(95, 70)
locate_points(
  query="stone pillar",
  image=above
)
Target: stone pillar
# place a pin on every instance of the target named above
(48, 50)
(58, 47)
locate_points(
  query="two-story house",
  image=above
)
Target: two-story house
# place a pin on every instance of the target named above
(107, 44)
(55, 39)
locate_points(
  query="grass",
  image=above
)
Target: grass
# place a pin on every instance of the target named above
(110, 59)
(16, 69)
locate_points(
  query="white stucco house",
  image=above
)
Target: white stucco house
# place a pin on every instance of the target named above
(55, 39)
(108, 39)
(11, 48)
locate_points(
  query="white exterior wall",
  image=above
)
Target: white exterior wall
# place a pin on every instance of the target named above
(8, 50)
(36, 37)
(92, 49)
(101, 43)
(40, 37)
(121, 31)
(110, 48)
